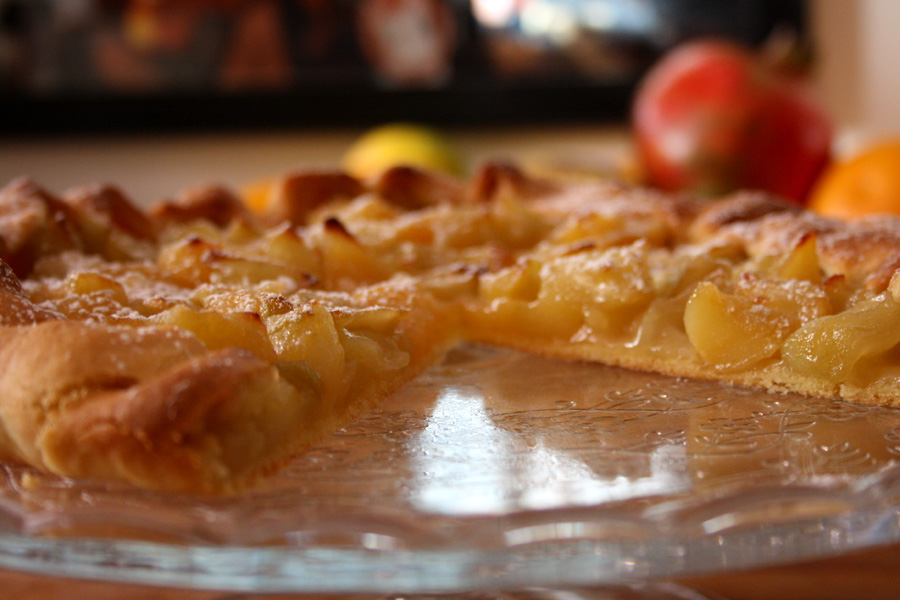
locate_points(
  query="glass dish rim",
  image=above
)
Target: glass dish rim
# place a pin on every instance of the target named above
(703, 536)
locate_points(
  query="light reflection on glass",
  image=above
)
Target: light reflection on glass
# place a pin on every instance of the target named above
(463, 463)
(460, 457)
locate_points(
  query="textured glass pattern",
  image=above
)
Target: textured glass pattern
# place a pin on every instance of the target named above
(499, 470)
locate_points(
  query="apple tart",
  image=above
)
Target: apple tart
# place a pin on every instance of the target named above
(194, 346)
(187, 348)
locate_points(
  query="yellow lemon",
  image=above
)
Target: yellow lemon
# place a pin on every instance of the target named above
(404, 144)
(865, 184)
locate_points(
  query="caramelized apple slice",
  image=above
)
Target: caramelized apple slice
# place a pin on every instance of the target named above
(345, 262)
(218, 331)
(803, 262)
(613, 287)
(797, 299)
(729, 331)
(309, 336)
(198, 260)
(285, 246)
(521, 281)
(831, 347)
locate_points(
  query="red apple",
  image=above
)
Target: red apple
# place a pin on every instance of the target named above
(713, 117)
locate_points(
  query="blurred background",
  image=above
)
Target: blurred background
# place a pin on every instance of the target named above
(101, 65)
(161, 94)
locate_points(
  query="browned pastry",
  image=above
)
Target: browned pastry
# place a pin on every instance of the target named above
(185, 356)
(195, 346)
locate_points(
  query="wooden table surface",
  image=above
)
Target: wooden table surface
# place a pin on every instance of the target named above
(869, 575)
(152, 167)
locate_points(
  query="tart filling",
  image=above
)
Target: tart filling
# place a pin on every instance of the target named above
(195, 346)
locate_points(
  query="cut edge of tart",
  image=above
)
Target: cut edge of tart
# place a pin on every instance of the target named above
(195, 357)
(165, 408)
(745, 290)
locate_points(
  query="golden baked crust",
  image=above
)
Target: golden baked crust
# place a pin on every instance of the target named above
(197, 345)
(747, 290)
(182, 350)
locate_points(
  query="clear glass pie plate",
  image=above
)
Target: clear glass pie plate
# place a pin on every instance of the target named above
(499, 470)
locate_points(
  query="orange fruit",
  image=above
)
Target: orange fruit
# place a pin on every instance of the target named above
(865, 184)
(257, 195)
